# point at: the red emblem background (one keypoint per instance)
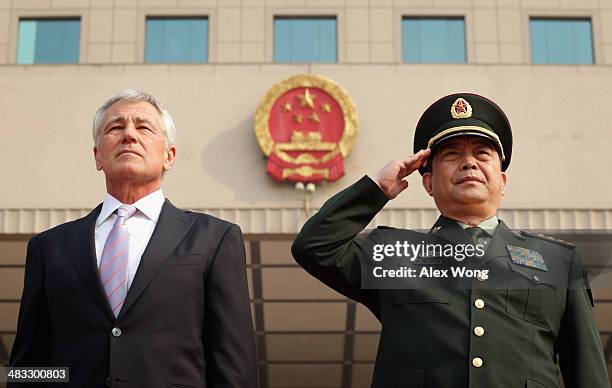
(306, 126)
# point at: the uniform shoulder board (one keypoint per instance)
(549, 238)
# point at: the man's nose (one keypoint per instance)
(129, 133)
(469, 163)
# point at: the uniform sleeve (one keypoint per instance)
(228, 333)
(581, 357)
(32, 346)
(328, 247)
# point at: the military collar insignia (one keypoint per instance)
(526, 257)
(461, 109)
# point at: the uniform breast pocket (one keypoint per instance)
(534, 297)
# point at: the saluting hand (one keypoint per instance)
(390, 178)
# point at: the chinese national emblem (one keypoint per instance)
(306, 125)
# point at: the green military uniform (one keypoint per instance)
(454, 337)
(533, 316)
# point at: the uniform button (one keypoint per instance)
(116, 332)
(108, 381)
(536, 278)
(477, 362)
(479, 303)
(479, 331)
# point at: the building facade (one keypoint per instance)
(547, 63)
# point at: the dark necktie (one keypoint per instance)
(479, 236)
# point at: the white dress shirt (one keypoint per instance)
(140, 225)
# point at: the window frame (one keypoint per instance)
(553, 13)
(304, 17)
(434, 17)
(562, 18)
(145, 13)
(17, 17)
(176, 17)
(271, 13)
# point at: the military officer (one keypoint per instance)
(534, 319)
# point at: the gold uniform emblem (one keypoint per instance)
(461, 109)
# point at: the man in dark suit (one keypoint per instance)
(138, 293)
(529, 310)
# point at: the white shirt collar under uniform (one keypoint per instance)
(489, 225)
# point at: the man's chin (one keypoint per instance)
(470, 197)
(125, 171)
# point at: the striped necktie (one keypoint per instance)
(114, 262)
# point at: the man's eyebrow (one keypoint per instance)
(142, 120)
(116, 119)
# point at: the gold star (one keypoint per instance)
(287, 107)
(297, 118)
(326, 107)
(307, 99)
(314, 117)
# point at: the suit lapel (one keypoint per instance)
(81, 245)
(171, 227)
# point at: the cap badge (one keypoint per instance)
(461, 109)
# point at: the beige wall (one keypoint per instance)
(559, 114)
(369, 31)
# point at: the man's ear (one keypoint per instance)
(427, 183)
(169, 158)
(97, 158)
(504, 181)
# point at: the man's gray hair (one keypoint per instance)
(132, 95)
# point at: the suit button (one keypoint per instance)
(479, 303)
(477, 362)
(116, 332)
(479, 331)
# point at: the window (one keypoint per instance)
(433, 40)
(49, 41)
(176, 40)
(305, 39)
(561, 41)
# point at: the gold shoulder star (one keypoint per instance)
(326, 107)
(287, 107)
(314, 117)
(307, 99)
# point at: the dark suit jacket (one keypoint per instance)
(531, 317)
(186, 321)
